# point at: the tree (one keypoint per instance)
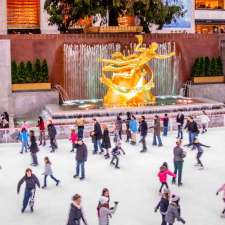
(207, 66)
(65, 13)
(44, 71)
(212, 67)
(202, 66)
(14, 72)
(21, 74)
(218, 66)
(29, 72)
(37, 71)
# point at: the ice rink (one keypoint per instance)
(135, 185)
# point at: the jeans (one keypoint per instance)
(162, 185)
(143, 141)
(97, 145)
(178, 167)
(180, 132)
(81, 132)
(115, 157)
(24, 146)
(80, 165)
(155, 138)
(165, 131)
(42, 137)
(53, 178)
(163, 220)
(34, 158)
(192, 136)
(199, 154)
(27, 196)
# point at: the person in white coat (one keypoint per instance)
(204, 119)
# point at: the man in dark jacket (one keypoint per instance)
(97, 136)
(31, 181)
(81, 158)
(143, 129)
(157, 131)
(180, 123)
(192, 128)
(52, 134)
(178, 159)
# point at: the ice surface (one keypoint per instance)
(135, 185)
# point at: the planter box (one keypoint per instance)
(31, 87)
(208, 80)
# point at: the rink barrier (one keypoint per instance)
(10, 135)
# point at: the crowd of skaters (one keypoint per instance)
(169, 204)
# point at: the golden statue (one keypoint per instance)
(128, 85)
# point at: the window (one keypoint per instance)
(209, 4)
(23, 14)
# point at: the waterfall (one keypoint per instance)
(82, 69)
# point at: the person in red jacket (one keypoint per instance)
(163, 173)
(41, 126)
(73, 139)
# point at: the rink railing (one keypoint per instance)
(63, 131)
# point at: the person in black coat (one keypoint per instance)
(163, 205)
(31, 182)
(81, 158)
(52, 135)
(143, 129)
(180, 124)
(97, 136)
(33, 148)
(76, 212)
(192, 128)
(106, 143)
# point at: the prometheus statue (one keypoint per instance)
(129, 85)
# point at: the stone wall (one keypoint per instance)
(30, 104)
(214, 92)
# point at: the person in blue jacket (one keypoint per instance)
(133, 126)
(31, 182)
(23, 137)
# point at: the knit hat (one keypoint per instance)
(175, 198)
(103, 200)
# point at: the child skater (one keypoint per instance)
(163, 173)
(173, 212)
(73, 139)
(106, 143)
(105, 213)
(23, 137)
(197, 145)
(105, 193)
(222, 189)
(163, 204)
(48, 172)
(31, 182)
(33, 148)
(115, 153)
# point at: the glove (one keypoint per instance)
(155, 210)
(182, 221)
(217, 193)
(116, 203)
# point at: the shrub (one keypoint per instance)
(29, 72)
(44, 71)
(14, 72)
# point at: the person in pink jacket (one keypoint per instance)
(73, 139)
(222, 189)
(163, 173)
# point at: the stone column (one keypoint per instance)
(45, 28)
(3, 16)
(5, 77)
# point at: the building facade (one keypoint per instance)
(203, 16)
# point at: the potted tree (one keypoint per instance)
(30, 77)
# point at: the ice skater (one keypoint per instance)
(96, 135)
(81, 158)
(119, 125)
(33, 148)
(173, 211)
(48, 172)
(115, 155)
(52, 136)
(204, 122)
(76, 214)
(41, 126)
(106, 194)
(105, 213)
(163, 204)
(73, 139)
(31, 182)
(197, 145)
(222, 189)
(80, 122)
(143, 129)
(180, 124)
(133, 127)
(163, 173)
(157, 131)
(23, 137)
(106, 143)
(165, 124)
